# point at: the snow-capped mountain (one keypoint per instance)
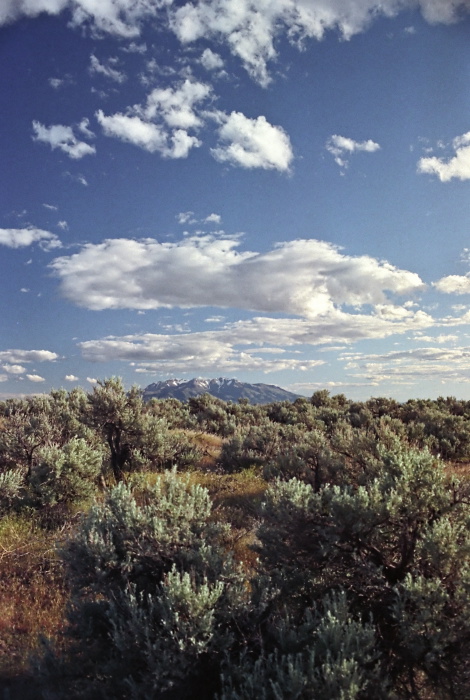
(223, 388)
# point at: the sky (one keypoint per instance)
(272, 190)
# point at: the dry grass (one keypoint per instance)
(237, 499)
(32, 593)
(459, 469)
(210, 446)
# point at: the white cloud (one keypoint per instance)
(108, 69)
(71, 378)
(244, 344)
(252, 143)
(134, 47)
(63, 225)
(302, 277)
(213, 219)
(186, 217)
(133, 130)
(121, 18)
(420, 337)
(188, 353)
(51, 207)
(56, 83)
(176, 106)
(10, 10)
(23, 237)
(341, 146)
(454, 284)
(249, 29)
(181, 143)
(409, 366)
(63, 138)
(465, 255)
(35, 378)
(20, 356)
(14, 369)
(211, 60)
(457, 166)
(443, 11)
(162, 124)
(83, 127)
(92, 380)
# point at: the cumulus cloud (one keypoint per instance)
(25, 356)
(133, 130)
(458, 166)
(213, 219)
(301, 277)
(63, 138)
(71, 378)
(169, 119)
(14, 369)
(176, 106)
(252, 143)
(35, 378)
(108, 69)
(23, 237)
(186, 217)
(341, 146)
(211, 60)
(163, 123)
(454, 284)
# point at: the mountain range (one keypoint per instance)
(222, 388)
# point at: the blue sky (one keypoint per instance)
(276, 191)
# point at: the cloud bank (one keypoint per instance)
(243, 345)
(301, 277)
(405, 367)
(249, 29)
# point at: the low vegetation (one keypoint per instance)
(223, 551)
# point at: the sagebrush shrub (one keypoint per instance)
(155, 596)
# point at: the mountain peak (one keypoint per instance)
(221, 387)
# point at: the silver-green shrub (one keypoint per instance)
(65, 474)
(155, 596)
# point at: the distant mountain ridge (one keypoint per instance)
(222, 388)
